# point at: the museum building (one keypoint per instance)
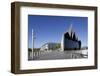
(70, 41)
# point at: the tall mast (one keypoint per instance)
(70, 30)
(33, 43)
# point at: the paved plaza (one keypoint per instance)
(58, 55)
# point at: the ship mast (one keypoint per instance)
(70, 30)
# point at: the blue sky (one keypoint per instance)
(51, 28)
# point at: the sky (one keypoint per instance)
(51, 28)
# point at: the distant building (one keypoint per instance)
(50, 46)
(70, 41)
